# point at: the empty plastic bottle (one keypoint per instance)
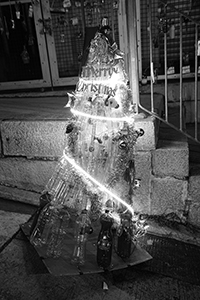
(39, 234)
(82, 229)
(58, 232)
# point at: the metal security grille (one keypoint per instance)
(178, 50)
(70, 29)
(145, 40)
(190, 9)
(68, 35)
(157, 14)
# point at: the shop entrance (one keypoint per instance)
(42, 42)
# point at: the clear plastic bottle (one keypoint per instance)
(58, 232)
(82, 229)
(45, 199)
(40, 233)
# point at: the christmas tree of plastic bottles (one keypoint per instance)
(96, 170)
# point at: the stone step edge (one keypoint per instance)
(19, 195)
(47, 138)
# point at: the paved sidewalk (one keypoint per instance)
(23, 276)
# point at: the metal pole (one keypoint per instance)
(151, 53)
(83, 17)
(113, 21)
(133, 56)
(165, 58)
(196, 83)
(181, 74)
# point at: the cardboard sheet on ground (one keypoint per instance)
(62, 266)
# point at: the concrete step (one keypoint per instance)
(32, 131)
(171, 157)
(176, 169)
(24, 179)
(33, 138)
(170, 169)
(149, 124)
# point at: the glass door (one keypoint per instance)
(24, 61)
(42, 42)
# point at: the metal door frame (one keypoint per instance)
(51, 52)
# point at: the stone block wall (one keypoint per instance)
(30, 150)
(29, 154)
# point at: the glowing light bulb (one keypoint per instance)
(82, 114)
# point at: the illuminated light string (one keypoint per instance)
(82, 114)
(101, 186)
